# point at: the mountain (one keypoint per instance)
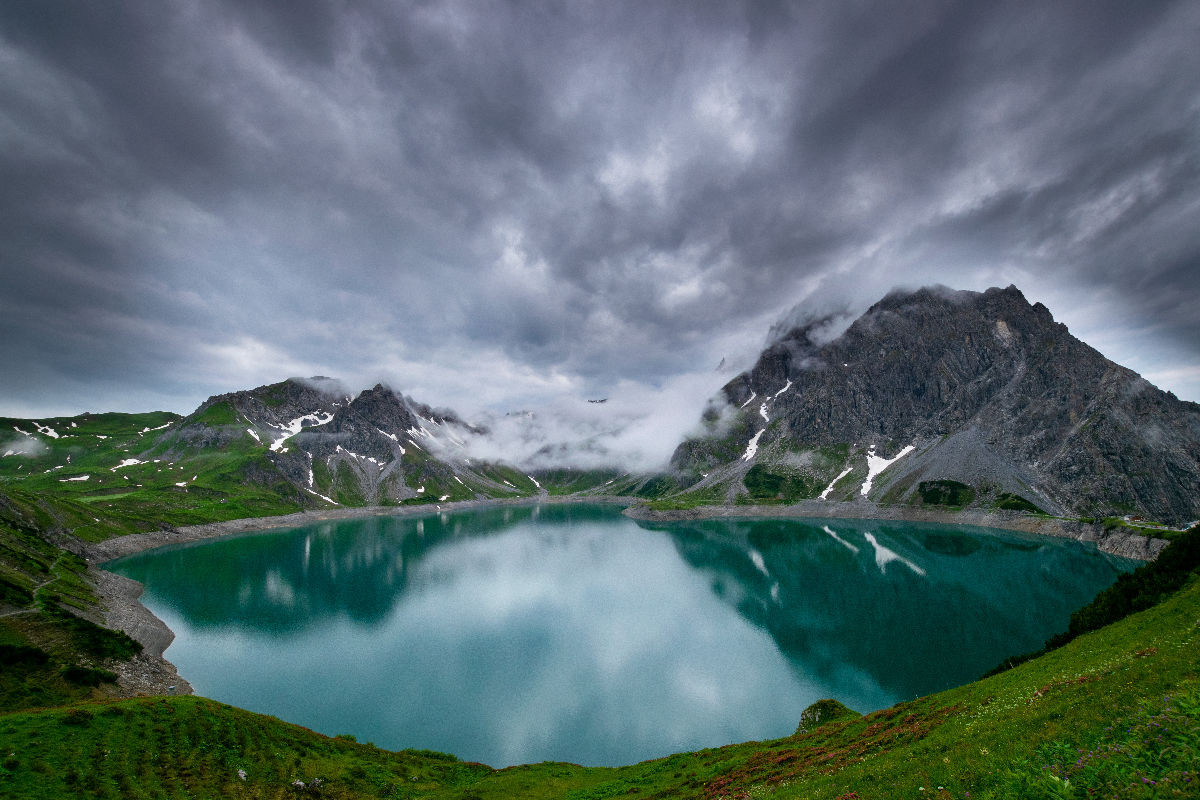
(950, 398)
(378, 446)
(930, 398)
(301, 443)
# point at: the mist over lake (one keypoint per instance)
(569, 632)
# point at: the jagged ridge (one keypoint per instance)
(989, 391)
(377, 446)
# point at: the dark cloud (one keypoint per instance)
(487, 203)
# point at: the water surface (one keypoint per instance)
(572, 633)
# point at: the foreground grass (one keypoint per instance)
(190, 747)
(1086, 717)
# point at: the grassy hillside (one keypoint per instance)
(49, 654)
(104, 475)
(111, 474)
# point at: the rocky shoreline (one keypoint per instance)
(147, 673)
(150, 673)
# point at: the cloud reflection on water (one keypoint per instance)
(574, 634)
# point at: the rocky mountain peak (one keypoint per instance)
(922, 367)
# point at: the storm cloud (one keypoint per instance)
(493, 205)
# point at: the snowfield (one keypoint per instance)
(877, 464)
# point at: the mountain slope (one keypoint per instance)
(980, 398)
(312, 439)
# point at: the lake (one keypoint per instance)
(571, 633)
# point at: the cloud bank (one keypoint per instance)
(493, 205)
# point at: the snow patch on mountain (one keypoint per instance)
(877, 464)
(45, 430)
(290, 429)
(825, 494)
(752, 446)
(323, 497)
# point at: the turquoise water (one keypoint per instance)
(572, 633)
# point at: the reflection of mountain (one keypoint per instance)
(963, 601)
(294, 579)
(880, 611)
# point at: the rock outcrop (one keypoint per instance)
(313, 439)
(989, 392)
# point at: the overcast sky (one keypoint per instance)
(499, 205)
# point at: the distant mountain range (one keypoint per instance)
(935, 397)
(949, 398)
(376, 447)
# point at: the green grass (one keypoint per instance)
(945, 493)
(50, 655)
(565, 481)
(1138, 526)
(1007, 501)
(191, 747)
(220, 413)
(776, 485)
(1152, 753)
(708, 496)
(657, 487)
(231, 482)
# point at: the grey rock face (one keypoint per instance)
(369, 436)
(377, 446)
(988, 388)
